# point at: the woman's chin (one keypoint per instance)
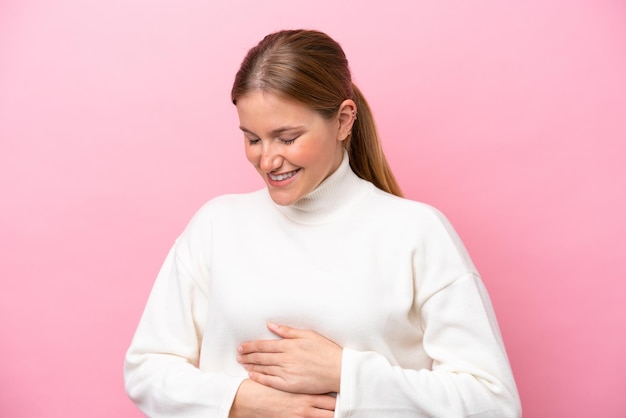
(284, 197)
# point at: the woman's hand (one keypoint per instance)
(254, 400)
(300, 362)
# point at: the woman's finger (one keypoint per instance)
(261, 346)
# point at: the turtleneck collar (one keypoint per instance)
(333, 196)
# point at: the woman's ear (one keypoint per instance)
(346, 116)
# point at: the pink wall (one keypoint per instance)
(115, 125)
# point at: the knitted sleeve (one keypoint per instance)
(161, 369)
(469, 375)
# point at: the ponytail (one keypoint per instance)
(366, 154)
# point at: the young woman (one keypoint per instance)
(325, 294)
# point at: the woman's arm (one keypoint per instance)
(470, 375)
(161, 367)
(254, 400)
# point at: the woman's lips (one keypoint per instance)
(282, 178)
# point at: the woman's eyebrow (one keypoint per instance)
(274, 132)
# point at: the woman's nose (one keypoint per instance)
(270, 159)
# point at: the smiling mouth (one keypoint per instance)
(284, 176)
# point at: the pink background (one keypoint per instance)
(115, 126)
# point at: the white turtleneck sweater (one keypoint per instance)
(384, 277)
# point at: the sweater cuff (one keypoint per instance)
(233, 384)
(351, 362)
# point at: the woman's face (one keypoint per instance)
(291, 146)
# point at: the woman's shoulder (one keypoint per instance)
(404, 207)
(423, 222)
(231, 205)
(234, 200)
(413, 215)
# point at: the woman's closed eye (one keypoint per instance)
(287, 141)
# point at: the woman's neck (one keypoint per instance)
(332, 197)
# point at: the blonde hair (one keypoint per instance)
(310, 67)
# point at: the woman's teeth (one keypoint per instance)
(284, 176)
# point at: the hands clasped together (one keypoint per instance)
(289, 377)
